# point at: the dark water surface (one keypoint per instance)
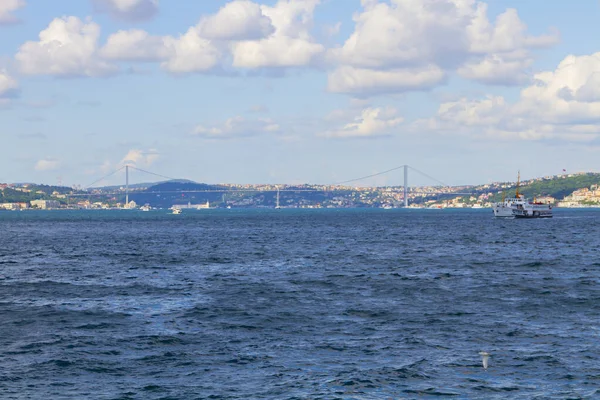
(298, 304)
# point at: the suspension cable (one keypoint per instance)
(430, 177)
(369, 176)
(104, 177)
(152, 173)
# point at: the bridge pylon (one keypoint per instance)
(405, 186)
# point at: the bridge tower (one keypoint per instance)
(406, 186)
(126, 185)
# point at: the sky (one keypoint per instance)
(298, 91)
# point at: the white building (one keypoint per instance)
(44, 204)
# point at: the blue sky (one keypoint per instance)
(298, 91)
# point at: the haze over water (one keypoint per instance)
(298, 304)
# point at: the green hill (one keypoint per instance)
(36, 192)
(557, 187)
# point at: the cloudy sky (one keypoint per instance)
(292, 91)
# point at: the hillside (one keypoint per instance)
(31, 192)
(143, 185)
(557, 186)
(170, 193)
(167, 194)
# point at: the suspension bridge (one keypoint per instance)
(337, 186)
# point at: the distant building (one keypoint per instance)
(193, 206)
(14, 206)
(131, 205)
(545, 199)
(44, 204)
(85, 204)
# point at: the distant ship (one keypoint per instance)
(176, 210)
(145, 207)
(504, 208)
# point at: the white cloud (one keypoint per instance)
(237, 20)
(371, 122)
(488, 118)
(506, 35)
(256, 35)
(105, 168)
(290, 44)
(570, 94)
(347, 79)
(8, 85)
(488, 111)
(67, 47)
(405, 33)
(7, 7)
(497, 70)
(237, 127)
(186, 54)
(275, 52)
(135, 45)
(412, 35)
(131, 10)
(47, 164)
(140, 158)
(561, 104)
(191, 53)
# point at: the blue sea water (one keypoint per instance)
(298, 304)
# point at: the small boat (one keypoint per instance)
(145, 207)
(177, 211)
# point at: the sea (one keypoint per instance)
(299, 304)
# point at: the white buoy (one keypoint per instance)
(484, 358)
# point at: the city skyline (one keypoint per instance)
(297, 91)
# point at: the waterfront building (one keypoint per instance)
(44, 204)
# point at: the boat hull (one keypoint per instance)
(532, 213)
(502, 211)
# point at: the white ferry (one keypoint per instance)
(175, 210)
(532, 210)
(505, 207)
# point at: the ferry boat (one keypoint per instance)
(504, 209)
(532, 209)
